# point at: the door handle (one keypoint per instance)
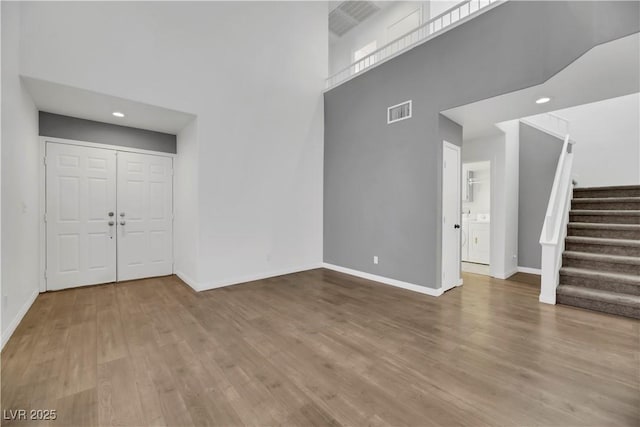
(122, 214)
(110, 213)
(456, 226)
(123, 222)
(111, 223)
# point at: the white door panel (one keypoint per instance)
(145, 224)
(450, 216)
(80, 193)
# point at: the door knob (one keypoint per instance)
(122, 214)
(456, 226)
(122, 222)
(111, 214)
(111, 223)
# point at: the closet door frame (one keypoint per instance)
(43, 185)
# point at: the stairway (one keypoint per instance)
(601, 261)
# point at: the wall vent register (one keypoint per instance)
(399, 112)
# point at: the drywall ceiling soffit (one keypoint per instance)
(607, 71)
(84, 104)
(348, 14)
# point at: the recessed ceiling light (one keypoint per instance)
(543, 100)
(118, 114)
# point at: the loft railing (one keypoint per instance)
(554, 230)
(559, 123)
(550, 123)
(448, 19)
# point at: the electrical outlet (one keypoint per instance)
(375, 259)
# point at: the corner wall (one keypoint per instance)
(539, 154)
(20, 186)
(185, 206)
(253, 74)
(382, 181)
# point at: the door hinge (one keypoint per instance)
(45, 274)
(44, 160)
(45, 217)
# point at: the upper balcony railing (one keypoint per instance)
(448, 19)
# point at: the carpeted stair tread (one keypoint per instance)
(599, 295)
(604, 226)
(605, 212)
(631, 199)
(617, 259)
(601, 275)
(603, 241)
(605, 229)
(601, 192)
(609, 188)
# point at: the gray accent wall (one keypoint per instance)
(58, 126)
(539, 154)
(382, 183)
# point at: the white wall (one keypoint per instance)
(185, 205)
(257, 93)
(511, 130)
(607, 135)
(20, 172)
(499, 150)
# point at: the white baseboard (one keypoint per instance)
(386, 280)
(530, 270)
(188, 280)
(547, 299)
(19, 316)
(199, 287)
(504, 275)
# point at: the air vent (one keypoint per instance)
(349, 14)
(399, 112)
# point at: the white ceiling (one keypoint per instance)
(607, 71)
(84, 104)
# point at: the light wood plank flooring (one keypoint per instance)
(320, 348)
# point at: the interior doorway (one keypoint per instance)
(476, 217)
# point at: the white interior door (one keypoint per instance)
(145, 216)
(80, 194)
(450, 216)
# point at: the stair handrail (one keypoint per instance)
(554, 229)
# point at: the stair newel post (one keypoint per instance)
(555, 224)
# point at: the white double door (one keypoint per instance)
(108, 215)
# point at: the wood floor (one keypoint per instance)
(320, 348)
